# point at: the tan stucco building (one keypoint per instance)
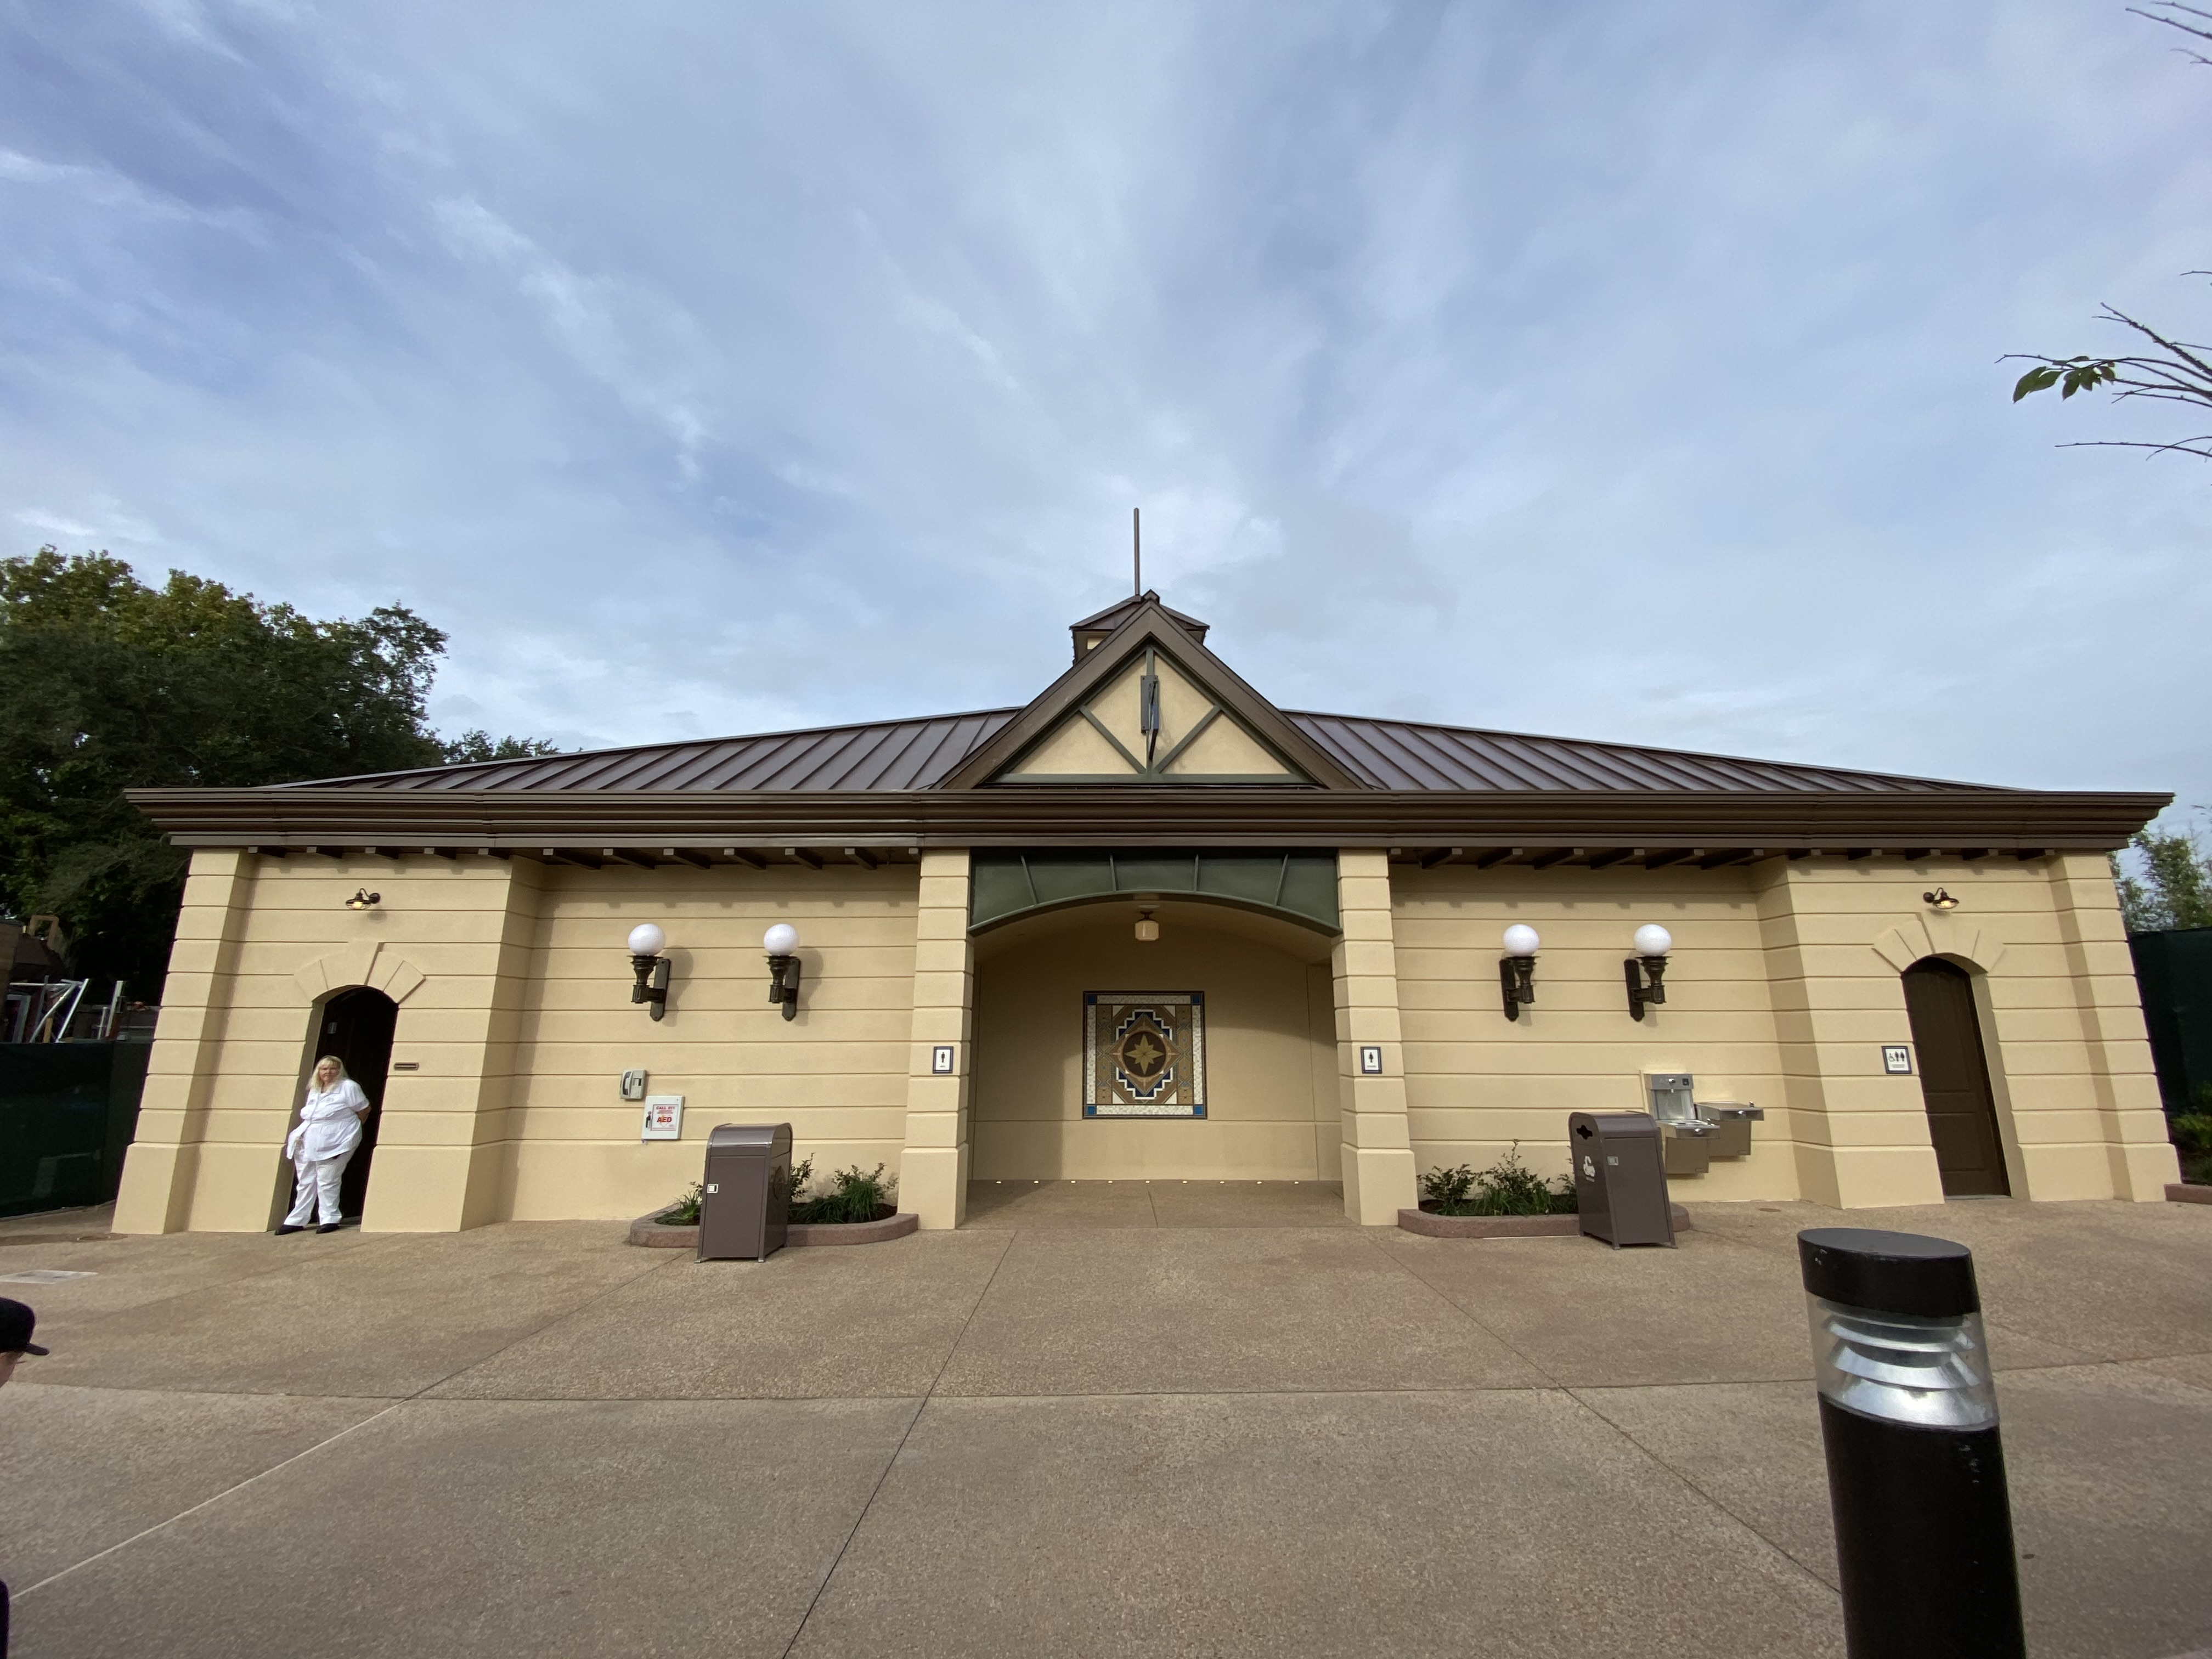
(1323, 999)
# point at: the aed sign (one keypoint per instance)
(663, 1118)
(1897, 1059)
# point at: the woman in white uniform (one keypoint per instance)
(329, 1130)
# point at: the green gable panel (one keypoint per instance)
(1298, 886)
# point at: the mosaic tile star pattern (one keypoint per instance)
(1143, 1053)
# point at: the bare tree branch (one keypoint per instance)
(2172, 13)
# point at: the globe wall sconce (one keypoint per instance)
(782, 944)
(362, 899)
(1645, 971)
(1939, 899)
(1517, 970)
(651, 987)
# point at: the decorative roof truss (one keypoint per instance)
(1150, 722)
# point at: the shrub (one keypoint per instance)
(802, 1173)
(684, 1211)
(1506, 1187)
(1449, 1189)
(852, 1196)
(2192, 1137)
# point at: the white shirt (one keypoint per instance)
(328, 1127)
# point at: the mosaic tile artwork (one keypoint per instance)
(1143, 1053)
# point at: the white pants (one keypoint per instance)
(318, 1181)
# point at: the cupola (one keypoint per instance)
(1093, 629)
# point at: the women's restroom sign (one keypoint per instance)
(663, 1118)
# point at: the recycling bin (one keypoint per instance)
(1620, 1177)
(746, 1206)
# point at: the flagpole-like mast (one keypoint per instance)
(1137, 548)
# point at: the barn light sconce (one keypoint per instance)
(1646, 970)
(782, 944)
(1148, 931)
(1939, 899)
(651, 987)
(1517, 970)
(362, 899)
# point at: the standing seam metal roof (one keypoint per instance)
(918, 754)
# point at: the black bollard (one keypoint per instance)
(1916, 1472)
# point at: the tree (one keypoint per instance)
(2172, 370)
(479, 745)
(107, 684)
(2175, 890)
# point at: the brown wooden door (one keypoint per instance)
(1954, 1078)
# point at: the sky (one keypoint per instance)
(1608, 370)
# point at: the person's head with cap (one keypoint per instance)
(16, 1324)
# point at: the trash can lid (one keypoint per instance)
(775, 1136)
(1888, 1273)
(1611, 1125)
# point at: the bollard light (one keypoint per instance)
(646, 941)
(1517, 968)
(782, 944)
(1915, 1470)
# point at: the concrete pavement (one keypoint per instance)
(1183, 1418)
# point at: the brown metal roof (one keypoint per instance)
(918, 754)
(1410, 755)
(881, 755)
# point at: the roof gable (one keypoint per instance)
(1150, 705)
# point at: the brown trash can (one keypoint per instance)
(746, 1207)
(1620, 1177)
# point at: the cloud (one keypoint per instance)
(1629, 375)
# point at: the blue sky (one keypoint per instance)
(1621, 371)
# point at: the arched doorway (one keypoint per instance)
(1955, 1079)
(357, 1026)
(1271, 1110)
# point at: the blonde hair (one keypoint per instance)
(330, 1060)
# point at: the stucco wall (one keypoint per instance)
(1476, 1082)
(513, 988)
(1784, 985)
(514, 999)
(1271, 1072)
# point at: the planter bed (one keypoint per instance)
(2187, 1192)
(1431, 1226)
(660, 1234)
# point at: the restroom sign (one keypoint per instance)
(1897, 1060)
(940, 1060)
(1370, 1060)
(663, 1118)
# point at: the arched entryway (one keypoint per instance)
(1955, 1079)
(356, 1025)
(1271, 1110)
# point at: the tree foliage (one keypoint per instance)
(108, 684)
(2175, 888)
(480, 745)
(2167, 369)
